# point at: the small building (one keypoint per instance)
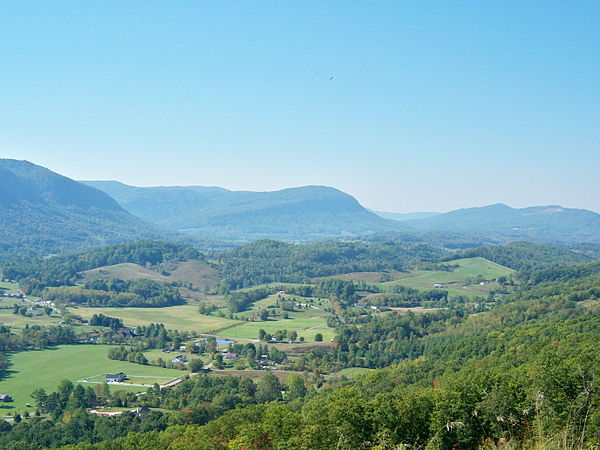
(438, 285)
(5, 398)
(230, 355)
(126, 332)
(179, 359)
(115, 377)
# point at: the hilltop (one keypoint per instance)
(294, 214)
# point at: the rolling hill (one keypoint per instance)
(42, 212)
(548, 224)
(295, 214)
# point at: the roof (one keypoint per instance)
(115, 375)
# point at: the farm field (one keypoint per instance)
(7, 318)
(125, 271)
(306, 327)
(272, 300)
(9, 288)
(202, 277)
(367, 277)
(454, 280)
(182, 317)
(200, 274)
(47, 368)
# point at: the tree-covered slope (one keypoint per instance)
(268, 261)
(42, 212)
(526, 256)
(304, 213)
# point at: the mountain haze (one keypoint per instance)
(44, 212)
(303, 213)
(403, 217)
(550, 223)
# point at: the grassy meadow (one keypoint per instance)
(181, 317)
(454, 280)
(47, 368)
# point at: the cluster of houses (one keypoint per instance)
(94, 336)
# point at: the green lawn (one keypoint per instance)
(9, 288)
(9, 319)
(47, 368)
(454, 280)
(305, 323)
(183, 317)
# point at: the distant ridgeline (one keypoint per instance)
(306, 213)
(34, 275)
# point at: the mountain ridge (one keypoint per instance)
(546, 223)
(293, 214)
(42, 212)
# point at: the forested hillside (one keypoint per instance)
(526, 256)
(268, 261)
(36, 274)
(306, 213)
(44, 213)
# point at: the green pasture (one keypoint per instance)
(303, 325)
(182, 317)
(124, 271)
(47, 368)
(9, 288)
(7, 318)
(455, 280)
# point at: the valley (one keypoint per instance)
(219, 319)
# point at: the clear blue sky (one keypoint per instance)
(432, 105)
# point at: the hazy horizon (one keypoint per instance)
(407, 107)
(325, 185)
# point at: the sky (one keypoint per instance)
(408, 106)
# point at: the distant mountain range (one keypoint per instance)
(42, 212)
(551, 224)
(295, 214)
(403, 217)
(318, 212)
